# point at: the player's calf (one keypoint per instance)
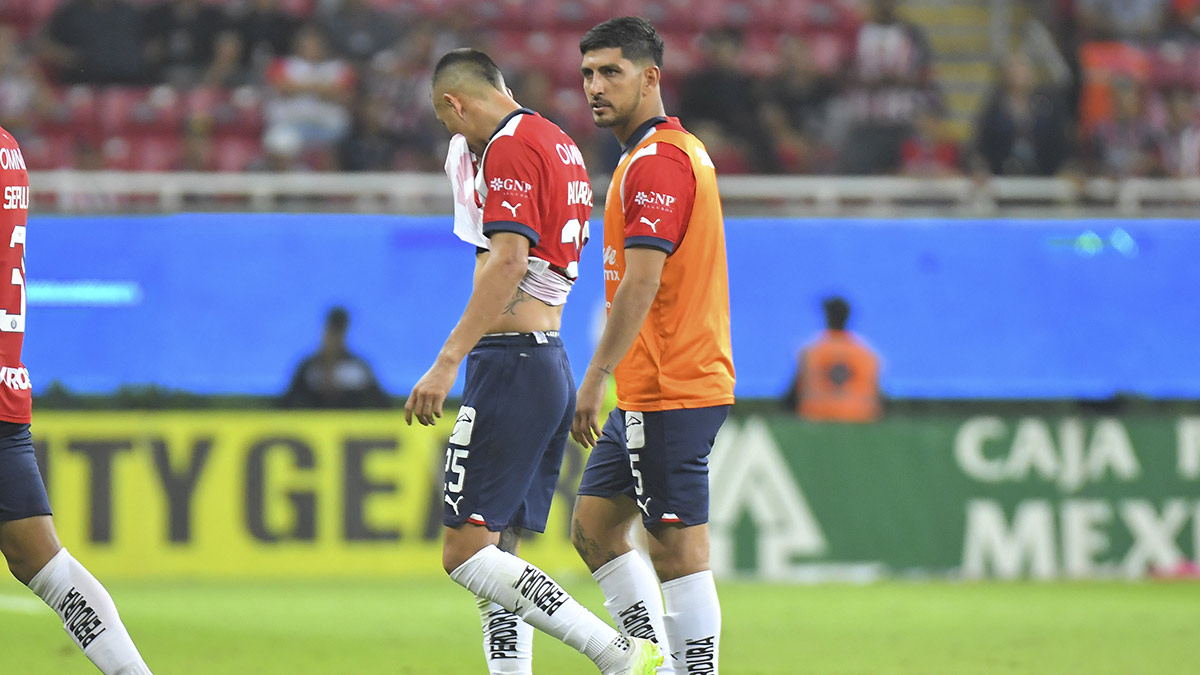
(88, 615)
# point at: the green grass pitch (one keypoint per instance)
(431, 626)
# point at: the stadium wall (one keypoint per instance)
(988, 309)
(240, 494)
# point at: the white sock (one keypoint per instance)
(633, 600)
(88, 614)
(693, 622)
(531, 594)
(507, 640)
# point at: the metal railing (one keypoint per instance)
(785, 196)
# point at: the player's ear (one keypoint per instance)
(454, 102)
(652, 77)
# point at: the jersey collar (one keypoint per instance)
(644, 129)
(509, 116)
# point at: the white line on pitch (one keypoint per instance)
(21, 605)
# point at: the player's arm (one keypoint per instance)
(654, 227)
(495, 287)
(631, 303)
(510, 221)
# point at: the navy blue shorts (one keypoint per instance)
(22, 493)
(659, 459)
(507, 445)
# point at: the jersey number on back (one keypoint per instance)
(574, 233)
(15, 323)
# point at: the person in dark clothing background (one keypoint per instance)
(333, 377)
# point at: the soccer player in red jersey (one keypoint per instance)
(506, 448)
(667, 344)
(27, 536)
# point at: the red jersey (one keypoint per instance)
(16, 395)
(532, 181)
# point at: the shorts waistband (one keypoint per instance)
(536, 338)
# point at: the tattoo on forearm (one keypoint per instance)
(520, 297)
(607, 370)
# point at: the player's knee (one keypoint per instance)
(452, 560)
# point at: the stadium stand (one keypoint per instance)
(803, 61)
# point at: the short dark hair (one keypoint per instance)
(471, 62)
(634, 36)
(338, 319)
(837, 311)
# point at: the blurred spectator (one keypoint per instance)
(399, 82)
(333, 377)
(358, 31)
(930, 152)
(1126, 144)
(723, 94)
(1022, 130)
(837, 377)
(1179, 146)
(311, 93)
(282, 152)
(23, 92)
(795, 99)
(1122, 19)
(892, 84)
(267, 32)
(182, 38)
(225, 70)
(199, 151)
(369, 147)
(94, 42)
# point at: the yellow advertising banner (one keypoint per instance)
(261, 494)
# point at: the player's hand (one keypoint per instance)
(586, 427)
(430, 392)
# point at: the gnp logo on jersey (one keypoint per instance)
(655, 200)
(464, 424)
(509, 185)
(635, 430)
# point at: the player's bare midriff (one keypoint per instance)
(523, 313)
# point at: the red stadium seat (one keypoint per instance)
(139, 111)
(512, 49)
(523, 15)
(829, 51)
(118, 153)
(73, 112)
(156, 153)
(760, 53)
(235, 153)
(115, 108)
(682, 54)
(242, 113)
(49, 151)
(204, 101)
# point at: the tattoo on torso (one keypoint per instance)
(520, 297)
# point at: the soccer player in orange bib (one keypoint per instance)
(667, 343)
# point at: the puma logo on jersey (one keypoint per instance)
(510, 207)
(644, 506)
(653, 225)
(454, 503)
